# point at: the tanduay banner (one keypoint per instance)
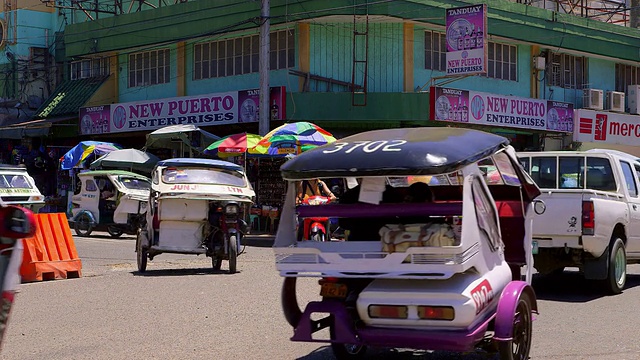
(479, 108)
(466, 29)
(607, 128)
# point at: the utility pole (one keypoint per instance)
(265, 46)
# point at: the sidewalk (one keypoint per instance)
(259, 238)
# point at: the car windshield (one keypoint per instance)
(14, 182)
(203, 176)
(135, 183)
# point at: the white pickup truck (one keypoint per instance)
(592, 219)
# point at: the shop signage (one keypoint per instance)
(466, 29)
(478, 108)
(607, 128)
(200, 110)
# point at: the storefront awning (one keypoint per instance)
(68, 97)
(62, 105)
(35, 128)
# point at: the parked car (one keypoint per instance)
(593, 213)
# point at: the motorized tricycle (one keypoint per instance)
(15, 223)
(434, 257)
(111, 200)
(196, 206)
(17, 187)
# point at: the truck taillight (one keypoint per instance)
(156, 221)
(588, 220)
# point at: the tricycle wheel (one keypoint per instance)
(617, 276)
(216, 262)
(82, 225)
(348, 351)
(518, 348)
(141, 255)
(114, 231)
(233, 254)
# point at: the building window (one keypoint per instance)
(241, 55)
(503, 61)
(149, 68)
(626, 75)
(89, 68)
(435, 51)
(567, 71)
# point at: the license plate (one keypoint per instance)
(534, 249)
(333, 290)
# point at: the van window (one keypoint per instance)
(630, 181)
(571, 172)
(600, 175)
(524, 162)
(544, 171)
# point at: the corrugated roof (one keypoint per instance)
(69, 97)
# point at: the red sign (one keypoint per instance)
(482, 295)
(607, 127)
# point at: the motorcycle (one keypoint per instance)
(316, 229)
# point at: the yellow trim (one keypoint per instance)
(181, 69)
(408, 31)
(304, 52)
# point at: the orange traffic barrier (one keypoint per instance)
(51, 254)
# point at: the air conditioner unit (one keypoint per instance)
(615, 101)
(634, 99)
(593, 99)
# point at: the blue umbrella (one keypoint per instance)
(79, 153)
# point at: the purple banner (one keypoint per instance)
(95, 119)
(466, 29)
(249, 101)
(559, 116)
(451, 105)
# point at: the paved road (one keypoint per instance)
(181, 309)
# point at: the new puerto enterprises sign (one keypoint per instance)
(466, 29)
(473, 107)
(200, 110)
(607, 128)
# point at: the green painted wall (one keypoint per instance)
(337, 107)
(208, 18)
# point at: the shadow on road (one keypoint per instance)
(182, 272)
(570, 286)
(325, 352)
(109, 237)
(255, 241)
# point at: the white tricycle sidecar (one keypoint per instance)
(434, 250)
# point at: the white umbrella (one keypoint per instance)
(131, 159)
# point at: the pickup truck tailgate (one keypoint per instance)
(563, 216)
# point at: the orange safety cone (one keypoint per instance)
(50, 254)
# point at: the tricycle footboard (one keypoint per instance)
(343, 331)
(345, 259)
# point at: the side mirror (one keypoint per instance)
(17, 222)
(539, 207)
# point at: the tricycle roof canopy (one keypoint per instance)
(112, 172)
(196, 162)
(395, 152)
